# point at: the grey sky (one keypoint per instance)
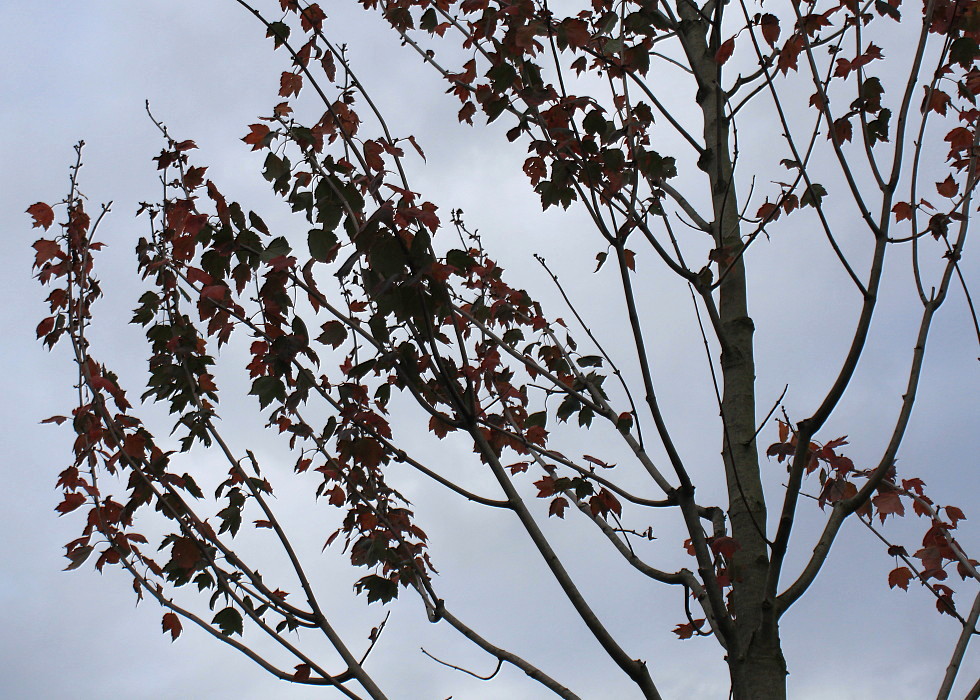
(83, 71)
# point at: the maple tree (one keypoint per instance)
(385, 299)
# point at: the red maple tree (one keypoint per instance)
(386, 300)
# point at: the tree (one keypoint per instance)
(369, 310)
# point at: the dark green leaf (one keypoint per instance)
(268, 389)
(321, 243)
(540, 418)
(277, 246)
(963, 51)
(813, 196)
(595, 123)
(279, 32)
(229, 621)
(334, 333)
(378, 588)
(569, 406)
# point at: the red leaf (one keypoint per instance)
(768, 212)
(198, 276)
(790, 53)
(558, 507)
(194, 178)
(46, 250)
(900, 577)
(71, 502)
(902, 211)
(888, 502)
(936, 101)
(686, 631)
(337, 496)
(214, 291)
(42, 214)
(55, 419)
(630, 258)
(725, 51)
(263, 523)
(171, 623)
(726, 546)
(948, 187)
(770, 28)
(843, 130)
(546, 487)
(184, 146)
(312, 18)
(467, 112)
(257, 137)
(955, 515)
(45, 326)
(959, 139)
(438, 426)
(372, 155)
(411, 140)
(290, 84)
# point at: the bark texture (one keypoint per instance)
(755, 659)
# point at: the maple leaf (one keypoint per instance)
(888, 502)
(789, 54)
(467, 112)
(770, 28)
(843, 130)
(687, 630)
(185, 553)
(902, 211)
(302, 672)
(726, 546)
(71, 502)
(576, 32)
(935, 100)
(45, 326)
(948, 187)
(46, 250)
(312, 18)
(438, 426)
(171, 623)
(229, 621)
(257, 137)
(546, 486)
(900, 577)
(725, 51)
(194, 178)
(215, 292)
(42, 214)
(290, 84)
(629, 257)
(557, 507)
(768, 212)
(337, 496)
(955, 515)
(77, 557)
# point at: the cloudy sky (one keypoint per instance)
(84, 70)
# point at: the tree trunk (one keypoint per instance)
(756, 663)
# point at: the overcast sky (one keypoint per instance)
(84, 70)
